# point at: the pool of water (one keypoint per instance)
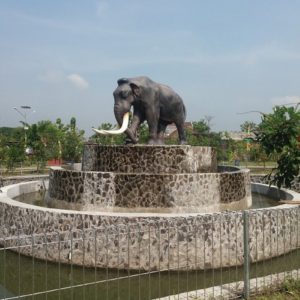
(261, 201)
(25, 275)
(41, 198)
(21, 275)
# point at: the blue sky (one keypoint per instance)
(63, 58)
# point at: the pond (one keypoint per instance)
(21, 275)
(41, 199)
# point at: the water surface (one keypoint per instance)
(41, 198)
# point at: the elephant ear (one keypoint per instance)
(135, 89)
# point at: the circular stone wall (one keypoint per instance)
(203, 192)
(157, 242)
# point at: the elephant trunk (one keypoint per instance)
(119, 114)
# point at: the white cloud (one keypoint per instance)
(285, 100)
(78, 81)
(59, 77)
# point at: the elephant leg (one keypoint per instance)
(152, 117)
(162, 125)
(152, 134)
(181, 133)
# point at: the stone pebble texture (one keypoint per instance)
(150, 177)
(121, 241)
(150, 159)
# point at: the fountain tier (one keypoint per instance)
(149, 159)
(183, 178)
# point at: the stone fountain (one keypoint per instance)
(146, 207)
(150, 197)
(151, 177)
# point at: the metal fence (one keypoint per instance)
(231, 254)
(17, 168)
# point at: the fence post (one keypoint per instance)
(246, 255)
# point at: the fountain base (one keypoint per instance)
(183, 178)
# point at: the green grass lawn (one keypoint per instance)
(269, 164)
(255, 167)
(31, 170)
(288, 290)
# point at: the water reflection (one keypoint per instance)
(21, 275)
(41, 198)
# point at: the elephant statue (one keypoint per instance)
(155, 103)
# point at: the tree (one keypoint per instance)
(55, 141)
(3, 148)
(61, 131)
(201, 128)
(278, 134)
(72, 144)
(248, 126)
(201, 135)
(42, 138)
(198, 135)
(12, 146)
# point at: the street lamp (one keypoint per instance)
(24, 116)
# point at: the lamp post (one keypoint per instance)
(24, 116)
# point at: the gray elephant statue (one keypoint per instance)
(155, 103)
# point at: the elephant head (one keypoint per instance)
(125, 96)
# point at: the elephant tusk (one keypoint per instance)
(99, 131)
(117, 131)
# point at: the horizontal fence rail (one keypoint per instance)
(225, 254)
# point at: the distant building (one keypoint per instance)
(237, 135)
(171, 132)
